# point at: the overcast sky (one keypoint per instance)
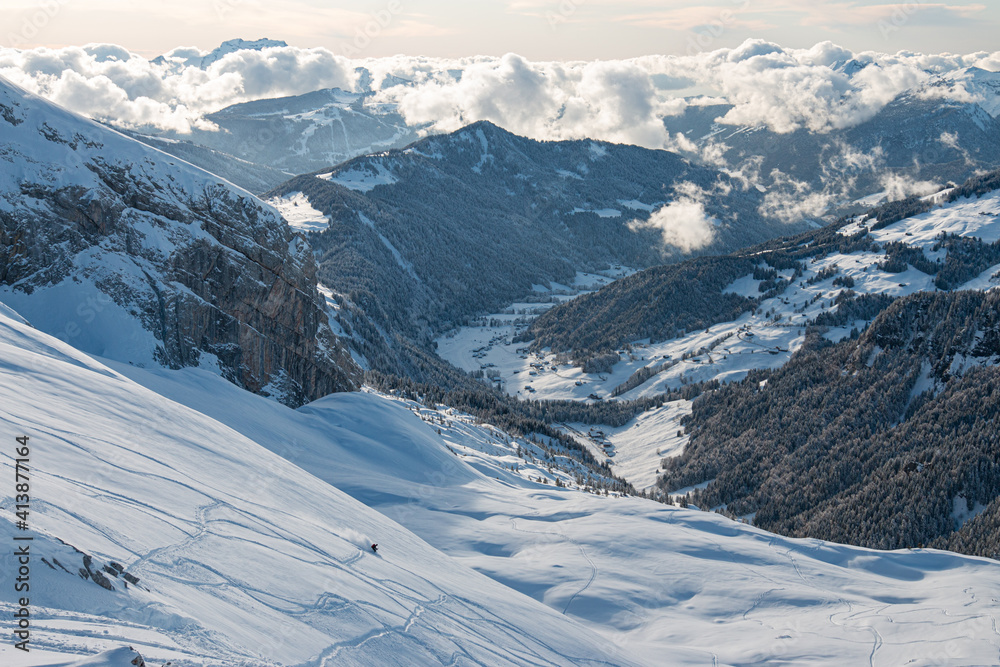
(536, 29)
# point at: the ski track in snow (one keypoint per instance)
(223, 534)
(583, 552)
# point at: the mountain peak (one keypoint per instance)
(234, 45)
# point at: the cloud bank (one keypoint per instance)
(820, 89)
(107, 82)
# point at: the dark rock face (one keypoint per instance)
(204, 267)
(94, 573)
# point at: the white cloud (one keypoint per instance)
(682, 223)
(614, 101)
(109, 83)
(622, 101)
(900, 186)
(791, 200)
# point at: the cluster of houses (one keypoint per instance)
(600, 438)
(498, 339)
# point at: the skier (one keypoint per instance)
(375, 548)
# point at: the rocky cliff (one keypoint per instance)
(135, 255)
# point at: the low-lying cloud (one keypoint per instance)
(683, 223)
(820, 89)
(108, 82)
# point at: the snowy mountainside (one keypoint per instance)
(747, 314)
(655, 580)
(457, 225)
(238, 557)
(916, 141)
(127, 252)
(293, 135)
(253, 177)
(982, 85)
(234, 45)
(177, 59)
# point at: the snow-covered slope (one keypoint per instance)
(237, 557)
(655, 580)
(298, 134)
(982, 85)
(130, 253)
(243, 558)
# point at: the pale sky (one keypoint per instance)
(536, 29)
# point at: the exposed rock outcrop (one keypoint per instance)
(214, 275)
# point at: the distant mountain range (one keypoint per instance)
(938, 132)
(917, 137)
(195, 58)
(288, 136)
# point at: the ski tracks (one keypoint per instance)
(583, 552)
(201, 528)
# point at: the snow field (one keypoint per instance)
(243, 557)
(296, 209)
(651, 579)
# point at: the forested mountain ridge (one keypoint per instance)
(664, 302)
(885, 441)
(458, 224)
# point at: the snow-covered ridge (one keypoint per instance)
(241, 557)
(651, 580)
(982, 85)
(131, 253)
(177, 59)
(296, 209)
(362, 178)
(244, 558)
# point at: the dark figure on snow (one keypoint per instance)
(375, 548)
